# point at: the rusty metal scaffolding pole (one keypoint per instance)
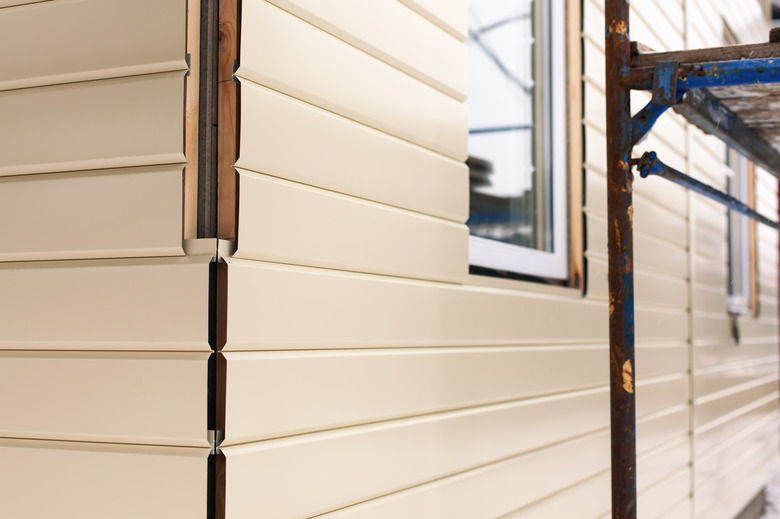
(621, 274)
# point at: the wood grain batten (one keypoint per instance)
(326, 471)
(327, 72)
(290, 223)
(425, 51)
(139, 398)
(83, 41)
(267, 304)
(95, 481)
(102, 214)
(346, 157)
(130, 121)
(140, 304)
(279, 394)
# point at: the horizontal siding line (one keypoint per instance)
(651, 24)
(433, 19)
(97, 262)
(670, 21)
(419, 344)
(640, 419)
(604, 258)
(94, 75)
(754, 361)
(756, 425)
(746, 341)
(593, 40)
(97, 171)
(641, 306)
(646, 199)
(660, 379)
(25, 4)
(733, 390)
(555, 495)
(530, 295)
(374, 52)
(481, 468)
(763, 319)
(730, 416)
(590, 126)
(344, 117)
(596, 86)
(381, 351)
(598, 5)
(763, 424)
(79, 444)
(431, 416)
(358, 199)
(642, 234)
(453, 281)
(96, 254)
(138, 161)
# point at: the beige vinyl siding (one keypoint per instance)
(144, 304)
(734, 386)
(346, 157)
(76, 479)
(120, 51)
(118, 122)
(113, 406)
(55, 216)
(334, 75)
(419, 397)
(442, 62)
(104, 335)
(291, 223)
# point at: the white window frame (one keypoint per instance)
(493, 254)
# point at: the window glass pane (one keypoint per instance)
(507, 112)
(740, 285)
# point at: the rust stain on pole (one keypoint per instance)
(621, 275)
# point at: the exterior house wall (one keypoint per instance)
(103, 318)
(368, 375)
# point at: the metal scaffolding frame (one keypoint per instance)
(679, 80)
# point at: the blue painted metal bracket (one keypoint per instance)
(650, 165)
(643, 121)
(714, 74)
(665, 83)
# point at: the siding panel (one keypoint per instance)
(116, 213)
(290, 223)
(331, 470)
(425, 52)
(90, 480)
(105, 305)
(329, 73)
(75, 126)
(450, 15)
(91, 45)
(346, 157)
(105, 397)
(266, 301)
(484, 493)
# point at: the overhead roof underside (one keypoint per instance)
(745, 117)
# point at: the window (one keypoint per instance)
(517, 137)
(741, 237)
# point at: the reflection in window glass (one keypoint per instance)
(741, 258)
(507, 200)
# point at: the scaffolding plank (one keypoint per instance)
(707, 112)
(727, 53)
